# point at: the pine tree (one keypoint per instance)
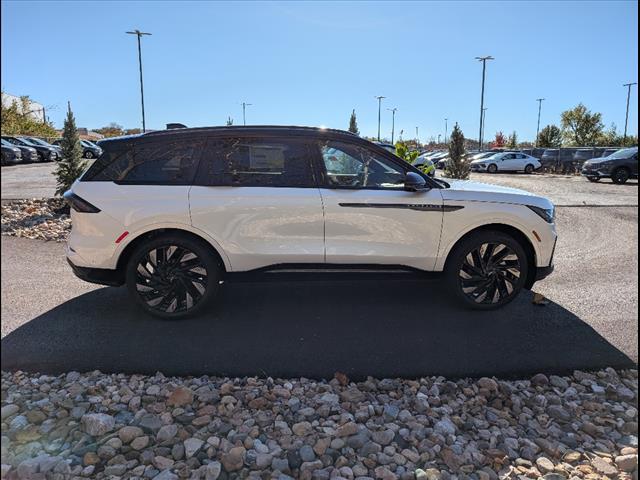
(71, 165)
(229, 121)
(457, 166)
(513, 141)
(353, 123)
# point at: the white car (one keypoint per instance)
(506, 162)
(172, 213)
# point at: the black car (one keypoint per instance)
(10, 153)
(43, 153)
(29, 153)
(619, 166)
(89, 149)
(43, 143)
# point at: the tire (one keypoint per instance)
(529, 169)
(493, 168)
(171, 299)
(41, 157)
(4, 159)
(88, 154)
(593, 179)
(620, 176)
(467, 281)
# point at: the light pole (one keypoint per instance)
(484, 68)
(626, 120)
(139, 34)
(244, 112)
(393, 122)
(446, 131)
(379, 106)
(484, 115)
(417, 138)
(539, 100)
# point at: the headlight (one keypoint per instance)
(547, 214)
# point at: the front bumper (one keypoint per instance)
(595, 173)
(101, 276)
(544, 272)
(478, 168)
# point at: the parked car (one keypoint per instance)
(10, 153)
(425, 164)
(619, 166)
(43, 153)
(89, 150)
(42, 143)
(387, 146)
(506, 162)
(581, 155)
(29, 154)
(172, 213)
(605, 152)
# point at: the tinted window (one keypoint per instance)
(351, 166)
(171, 162)
(251, 162)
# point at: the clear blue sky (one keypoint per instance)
(310, 63)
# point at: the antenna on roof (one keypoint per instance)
(171, 126)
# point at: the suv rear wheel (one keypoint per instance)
(493, 168)
(173, 276)
(486, 270)
(528, 169)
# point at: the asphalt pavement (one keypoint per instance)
(386, 325)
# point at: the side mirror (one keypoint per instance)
(414, 182)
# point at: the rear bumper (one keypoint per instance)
(544, 272)
(101, 276)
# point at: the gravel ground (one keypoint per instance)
(121, 426)
(44, 219)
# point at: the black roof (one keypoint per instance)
(235, 129)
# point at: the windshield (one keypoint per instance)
(24, 141)
(624, 153)
(6, 144)
(87, 143)
(37, 141)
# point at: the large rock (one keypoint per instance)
(192, 446)
(445, 427)
(234, 459)
(127, 434)
(97, 424)
(627, 463)
(179, 397)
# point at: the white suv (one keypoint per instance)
(172, 213)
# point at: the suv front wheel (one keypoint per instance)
(173, 276)
(486, 270)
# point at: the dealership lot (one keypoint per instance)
(381, 326)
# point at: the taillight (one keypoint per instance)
(79, 204)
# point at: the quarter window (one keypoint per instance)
(248, 162)
(170, 162)
(351, 166)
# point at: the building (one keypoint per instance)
(36, 110)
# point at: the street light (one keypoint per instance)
(539, 100)
(393, 121)
(379, 105)
(417, 138)
(446, 131)
(626, 120)
(244, 112)
(484, 115)
(484, 68)
(139, 34)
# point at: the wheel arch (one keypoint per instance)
(512, 231)
(128, 249)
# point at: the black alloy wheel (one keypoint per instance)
(88, 154)
(173, 277)
(487, 270)
(620, 176)
(528, 169)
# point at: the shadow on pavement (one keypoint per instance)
(285, 328)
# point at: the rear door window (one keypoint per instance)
(257, 162)
(161, 162)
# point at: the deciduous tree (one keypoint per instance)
(550, 137)
(580, 127)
